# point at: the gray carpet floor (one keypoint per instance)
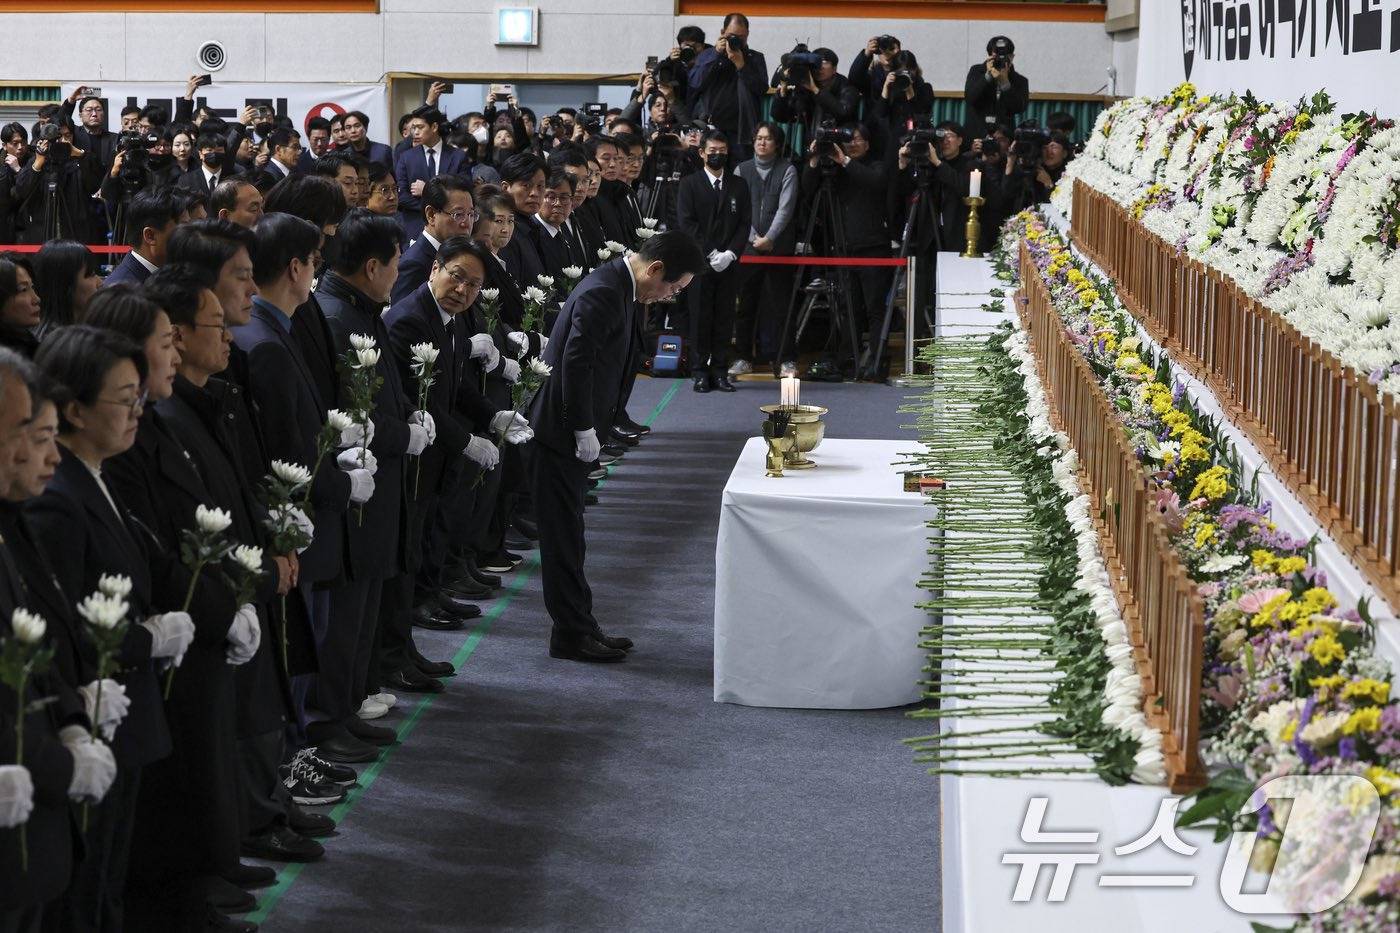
(546, 795)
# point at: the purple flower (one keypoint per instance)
(1346, 749)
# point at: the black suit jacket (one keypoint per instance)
(520, 255)
(718, 220)
(588, 350)
(293, 412)
(376, 532)
(84, 538)
(128, 270)
(415, 265)
(194, 179)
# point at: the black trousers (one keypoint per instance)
(264, 800)
(560, 481)
(344, 650)
(711, 302)
(394, 633)
(764, 293)
(21, 919)
(95, 901)
(870, 286)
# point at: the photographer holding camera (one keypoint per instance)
(995, 92)
(870, 67)
(1035, 164)
(811, 92)
(727, 83)
(860, 182)
(904, 98)
(49, 189)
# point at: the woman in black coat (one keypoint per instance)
(85, 533)
(19, 305)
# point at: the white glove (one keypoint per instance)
(361, 486)
(113, 709)
(244, 636)
(357, 458)
(418, 439)
(171, 634)
(357, 435)
(426, 420)
(94, 768)
(720, 261)
(544, 341)
(510, 371)
(16, 795)
(513, 424)
(484, 349)
(586, 446)
(521, 341)
(480, 450)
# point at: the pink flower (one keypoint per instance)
(1226, 691)
(1248, 143)
(1166, 501)
(1253, 602)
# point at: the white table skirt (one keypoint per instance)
(816, 581)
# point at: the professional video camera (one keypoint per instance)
(799, 66)
(135, 159)
(824, 142)
(1028, 146)
(58, 151)
(921, 134)
(667, 156)
(590, 117)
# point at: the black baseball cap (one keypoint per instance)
(1000, 45)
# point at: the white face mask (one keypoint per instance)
(481, 134)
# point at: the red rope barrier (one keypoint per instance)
(755, 260)
(31, 248)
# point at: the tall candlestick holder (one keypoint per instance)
(974, 228)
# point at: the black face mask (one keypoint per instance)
(212, 159)
(716, 159)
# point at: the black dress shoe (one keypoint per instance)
(614, 450)
(370, 734)
(590, 499)
(481, 576)
(515, 539)
(308, 824)
(250, 876)
(625, 438)
(425, 619)
(454, 605)
(410, 680)
(584, 649)
(434, 668)
(702, 384)
(500, 562)
(345, 748)
(227, 896)
(620, 642)
(466, 586)
(723, 384)
(283, 844)
(633, 426)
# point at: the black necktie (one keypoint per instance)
(432, 165)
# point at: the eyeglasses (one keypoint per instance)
(463, 217)
(133, 407)
(221, 326)
(461, 281)
(553, 197)
(385, 191)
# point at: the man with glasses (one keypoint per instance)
(429, 157)
(552, 241)
(383, 191)
(448, 211)
(285, 148)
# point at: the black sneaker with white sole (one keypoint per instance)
(327, 772)
(300, 781)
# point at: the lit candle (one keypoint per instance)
(975, 188)
(796, 391)
(785, 391)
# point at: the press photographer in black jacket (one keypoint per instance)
(810, 91)
(996, 92)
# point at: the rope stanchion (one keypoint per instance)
(749, 259)
(32, 248)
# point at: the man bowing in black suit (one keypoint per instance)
(588, 352)
(713, 207)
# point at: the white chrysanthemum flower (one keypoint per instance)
(614, 247)
(490, 294)
(29, 627)
(425, 352)
(101, 611)
(650, 222)
(605, 254)
(338, 419)
(368, 358)
(539, 367)
(212, 521)
(362, 341)
(248, 557)
(293, 474)
(114, 585)
(645, 233)
(573, 272)
(534, 294)
(546, 281)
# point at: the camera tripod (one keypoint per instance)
(57, 224)
(661, 197)
(835, 296)
(923, 210)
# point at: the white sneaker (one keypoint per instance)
(372, 709)
(388, 699)
(740, 368)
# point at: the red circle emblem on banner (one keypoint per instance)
(319, 110)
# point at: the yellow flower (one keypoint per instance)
(1363, 720)
(1268, 615)
(1287, 566)
(1385, 781)
(1211, 484)
(1286, 734)
(1377, 691)
(1325, 685)
(1204, 534)
(1262, 559)
(1326, 650)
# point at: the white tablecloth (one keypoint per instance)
(816, 581)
